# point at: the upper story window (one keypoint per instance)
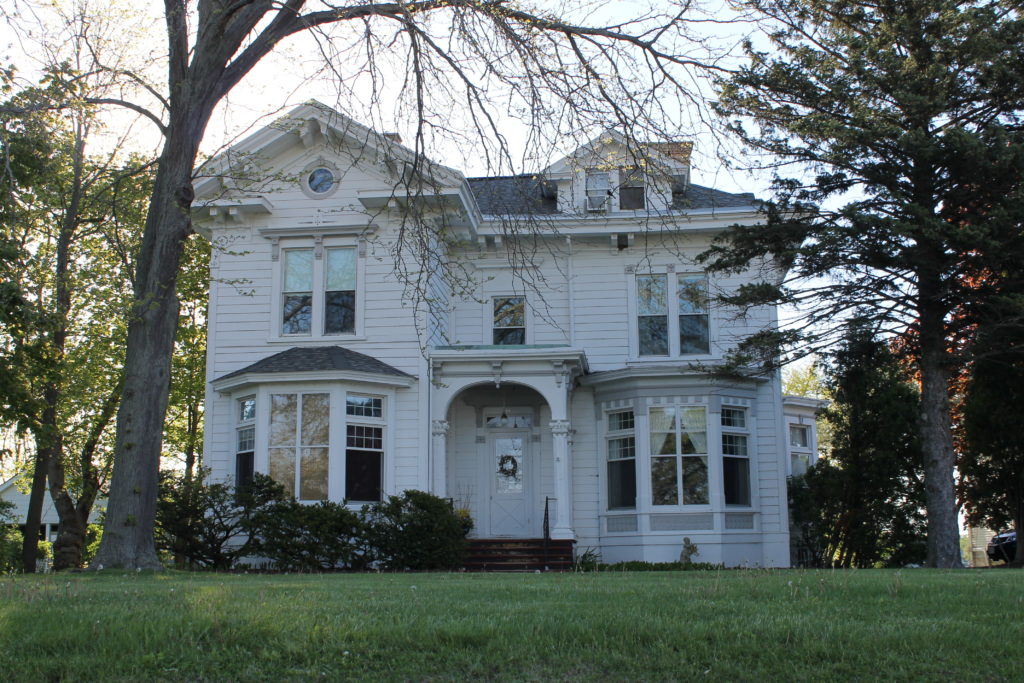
(676, 324)
(340, 290)
(320, 180)
(509, 320)
(598, 189)
(798, 436)
(621, 447)
(318, 294)
(632, 192)
(679, 455)
(735, 456)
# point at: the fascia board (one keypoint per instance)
(237, 382)
(694, 221)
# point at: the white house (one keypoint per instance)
(577, 391)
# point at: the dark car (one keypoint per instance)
(1003, 547)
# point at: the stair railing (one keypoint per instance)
(547, 528)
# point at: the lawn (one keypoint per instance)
(716, 625)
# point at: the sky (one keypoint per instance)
(295, 73)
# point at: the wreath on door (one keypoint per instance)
(508, 466)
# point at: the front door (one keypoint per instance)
(511, 478)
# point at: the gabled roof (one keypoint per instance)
(528, 195)
(667, 155)
(318, 359)
(305, 124)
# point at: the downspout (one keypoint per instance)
(570, 275)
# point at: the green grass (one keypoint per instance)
(717, 625)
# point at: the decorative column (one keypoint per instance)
(563, 485)
(439, 455)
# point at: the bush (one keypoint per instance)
(201, 524)
(10, 539)
(417, 531)
(298, 537)
(639, 566)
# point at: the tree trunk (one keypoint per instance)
(30, 536)
(128, 532)
(937, 448)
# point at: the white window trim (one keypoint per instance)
(739, 431)
(338, 432)
(318, 245)
(487, 333)
(633, 307)
(710, 432)
(312, 166)
(605, 435)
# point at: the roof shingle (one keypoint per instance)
(318, 359)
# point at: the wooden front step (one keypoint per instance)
(518, 554)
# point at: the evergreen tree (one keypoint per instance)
(903, 118)
(867, 496)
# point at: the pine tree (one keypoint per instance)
(903, 119)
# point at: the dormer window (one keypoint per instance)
(599, 190)
(631, 190)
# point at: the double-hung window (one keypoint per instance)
(598, 190)
(621, 444)
(364, 448)
(299, 442)
(631, 190)
(679, 455)
(245, 440)
(671, 324)
(509, 320)
(318, 295)
(735, 456)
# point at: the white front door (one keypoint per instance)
(511, 484)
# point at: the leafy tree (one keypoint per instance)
(862, 506)
(494, 57)
(903, 117)
(991, 463)
(76, 288)
(804, 380)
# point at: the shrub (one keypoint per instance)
(298, 537)
(10, 539)
(415, 530)
(639, 566)
(203, 524)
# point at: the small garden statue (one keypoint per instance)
(688, 552)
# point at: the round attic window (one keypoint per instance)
(321, 180)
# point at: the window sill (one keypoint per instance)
(302, 339)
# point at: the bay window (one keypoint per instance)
(364, 448)
(298, 443)
(621, 447)
(299, 446)
(735, 456)
(245, 441)
(679, 460)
